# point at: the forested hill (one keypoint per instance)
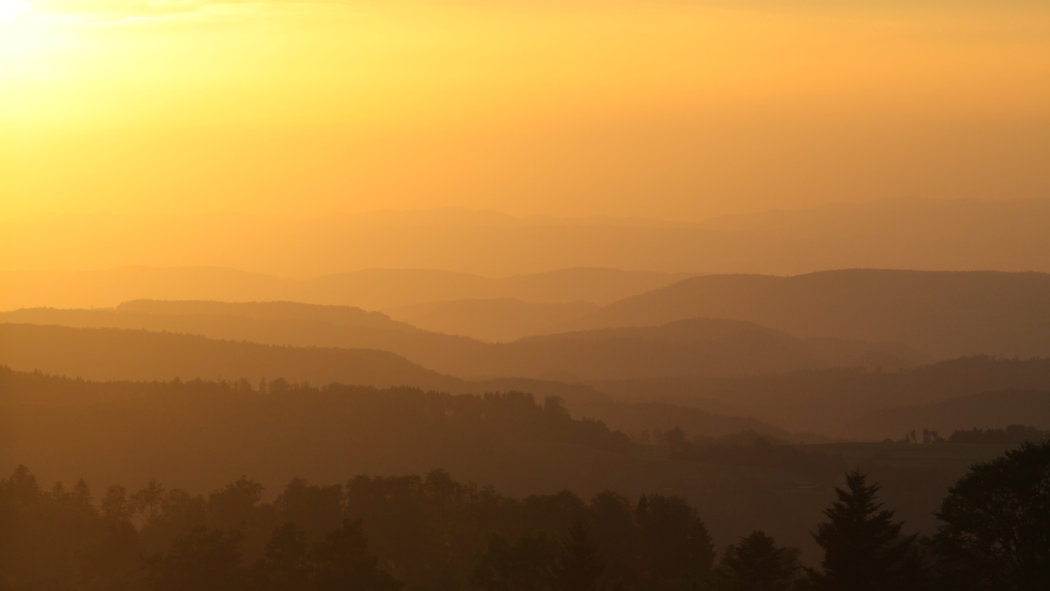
(119, 354)
(830, 401)
(416, 533)
(128, 432)
(987, 410)
(123, 432)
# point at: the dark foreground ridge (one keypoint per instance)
(413, 532)
(125, 433)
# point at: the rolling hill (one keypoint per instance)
(371, 289)
(139, 355)
(691, 347)
(831, 401)
(120, 354)
(493, 320)
(941, 314)
(686, 348)
(986, 410)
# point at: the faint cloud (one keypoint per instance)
(162, 12)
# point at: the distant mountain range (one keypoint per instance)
(941, 314)
(694, 347)
(754, 324)
(987, 409)
(927, 234)
(811, 353)
(861, 403)
(897, 234)
(120, 354)
(843, 402)
(139, 355)
(371, 289)
(494, 320)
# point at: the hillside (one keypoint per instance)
(986, 410)
(122, 354)
(119, 354)
(690, 347)
(831, 401)
(693, 347)
(276, 323)
(127, 433)
(493, 320)
(942, 314)
(928, 234)
(371, 289)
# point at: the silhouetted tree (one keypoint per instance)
(284, 565)
(117, 555)
(756, 563)
(863, 547)
(614, 534)
(578, 567)
(996, 532)
(148, 500)
(341, 562)
(555, 405)
(233, 506)
(203, 560)
(1014, 435)
(526, 565)
(675, 547)
(312, 508)
(173, 515)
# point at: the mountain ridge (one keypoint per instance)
(140, 355)
(941, 313)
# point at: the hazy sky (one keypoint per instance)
(664, 109)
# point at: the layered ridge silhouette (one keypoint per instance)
(373, 289)
(943, 314)
(129, 432)
(126, 354)
(688, 347)
(836, 401)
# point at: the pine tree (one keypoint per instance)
(756, 563)
(863, 547)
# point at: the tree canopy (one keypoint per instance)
(996, 530)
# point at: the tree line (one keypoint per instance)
(431, 532)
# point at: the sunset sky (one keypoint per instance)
(668, 109)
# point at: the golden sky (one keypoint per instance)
(658, 108)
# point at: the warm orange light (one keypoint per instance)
(625, 108)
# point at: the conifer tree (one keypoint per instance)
(863, 546)
(756, 563)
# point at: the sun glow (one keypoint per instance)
(511, 105)
(41, 50)
(12, 10)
